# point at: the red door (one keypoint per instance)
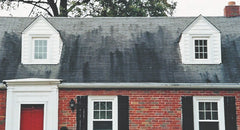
(31, 117)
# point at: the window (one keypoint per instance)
(208, 113)
(102, 118)
(103, 114)
(201, 51)
(40, 49)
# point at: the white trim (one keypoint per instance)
(114, 100)
(32, 81)
(221, 115)
(18, 94)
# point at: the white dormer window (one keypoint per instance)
(41, 43)
(201, 43)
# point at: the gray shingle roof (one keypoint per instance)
(121, 50)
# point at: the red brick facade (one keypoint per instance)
(150, 109)
(2, 109)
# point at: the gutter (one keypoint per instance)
(149, 85)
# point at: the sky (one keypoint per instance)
(184, 8)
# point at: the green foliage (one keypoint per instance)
(95, 8)
(125, 8)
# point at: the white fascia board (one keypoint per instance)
(150, 85)
(34, 81)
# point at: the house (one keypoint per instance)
(160, 73)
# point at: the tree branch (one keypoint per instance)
(63, 8)
(35, 4)
(31, 11)
(53, 7)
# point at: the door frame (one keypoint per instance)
(32, 91)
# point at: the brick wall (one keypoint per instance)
(149, 109)
(2, 109)
(232, 11)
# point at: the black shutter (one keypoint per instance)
(82, 112)
(187, 113)
(230, 113)
(123, 117)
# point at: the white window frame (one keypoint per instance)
(113, 99)
(194, 52)
(201, 37)
(220, 104)
(33, 49)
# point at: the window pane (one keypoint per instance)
(215, 116)
(208, 115)
(205, 55)
(207, 105)
(201, 115)
(200, 42)
(102, 115)
(208, 126)
(205, 42)
(205, 49)
(103, 106)
(96, 114)
(214, 106)
(45, 42)
(96, 105)
(196, 49)
(40, 42)
(40, 49)
(102, 125)
(45, 49)
(109, 115)
(109, 105)
(39, 56)
(201, 56)
(196, 42)
(201, 106)
(36, 56)
(44, 55)
(196, 56)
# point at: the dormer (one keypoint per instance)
(41, 43)
(200, 43)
